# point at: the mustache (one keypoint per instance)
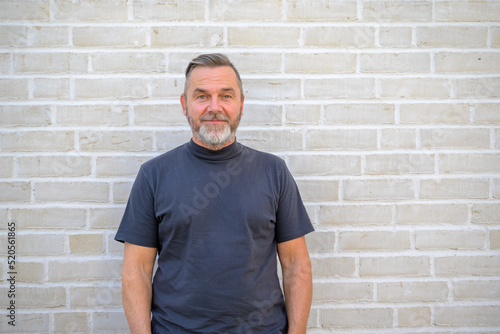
(212, 116)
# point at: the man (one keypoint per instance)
(216, 213)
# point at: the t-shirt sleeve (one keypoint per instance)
(139, 224)
(292, 220)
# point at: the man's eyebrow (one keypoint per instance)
(203, 91)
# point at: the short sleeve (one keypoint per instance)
(139, 224)
(292, 220)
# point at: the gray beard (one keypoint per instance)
(214, 137)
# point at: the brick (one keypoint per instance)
(414, 316)
(346, 88)
(159, 115)
(109, 36)
(94, 296)
(166, 88)
(395, 36)
(303, 10)
(398, 164)
(298, 114)
(446, 239)
(495, 36)
(476, 290)
(119, 166)
(272, 89)
(466, 11)
(35, 244)
(252, 62)
(496, 188)
(476, 265)
(86, 244)
(343, 292)
(109, 321)
(89, 270)
(33, 10)
(470, 163)
(318, 190)
(114, 247)
(54, 62)
(320, 241)
(71, 322)
(454, 188)
(106, 217)
(374, 240)
(486, 213)
(381, 190)
(187, 36)
(5, 63)
(6, 166)
(41, 297)
(339, 37)
(37, 141)
(30, 272)
(415, 88)
(276, 140)
(432, 214)
(333, 267)
(121, 191)
(361, 317)
(486, 113)
(341, 139)
(49, 36)
(15, 191)
(14, 35)
(47, 218)
(395, 63)
(14, 89)
(413, 292)
(320, 63)
(399, 266)
(434, 113)
(92, 115)
(455, 138)
(495, 239)
(128, 62)
(356, 215)
(35, 115)
(476, 315)
(167, 140)
(186, 10)
(398, 139)
(451, 36)
(480, 88)
(263, 115)
(326, 165)
(395, 11)
(359, 114)
(48, 88)
(474, 62)
(264, 10)
(102, 141)
(83, 191)
(91, 10)
(111, 88)
(31, 323)
(264, 36)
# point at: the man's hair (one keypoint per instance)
(211, 60)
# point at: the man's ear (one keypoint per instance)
(183, 104)
(242, 101)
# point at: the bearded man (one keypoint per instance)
(216, 215)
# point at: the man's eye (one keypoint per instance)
(201, 96)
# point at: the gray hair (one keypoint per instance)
(212, 60)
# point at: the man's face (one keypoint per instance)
(213, 105)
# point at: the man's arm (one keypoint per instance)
(137, 271)
(297, 283)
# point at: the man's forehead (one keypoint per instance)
(223, 75)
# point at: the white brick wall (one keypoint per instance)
(387, 113)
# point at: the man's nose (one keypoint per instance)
(214, 104)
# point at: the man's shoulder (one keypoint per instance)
(263, 157)
(164, 159)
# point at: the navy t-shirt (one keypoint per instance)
(215, 218)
